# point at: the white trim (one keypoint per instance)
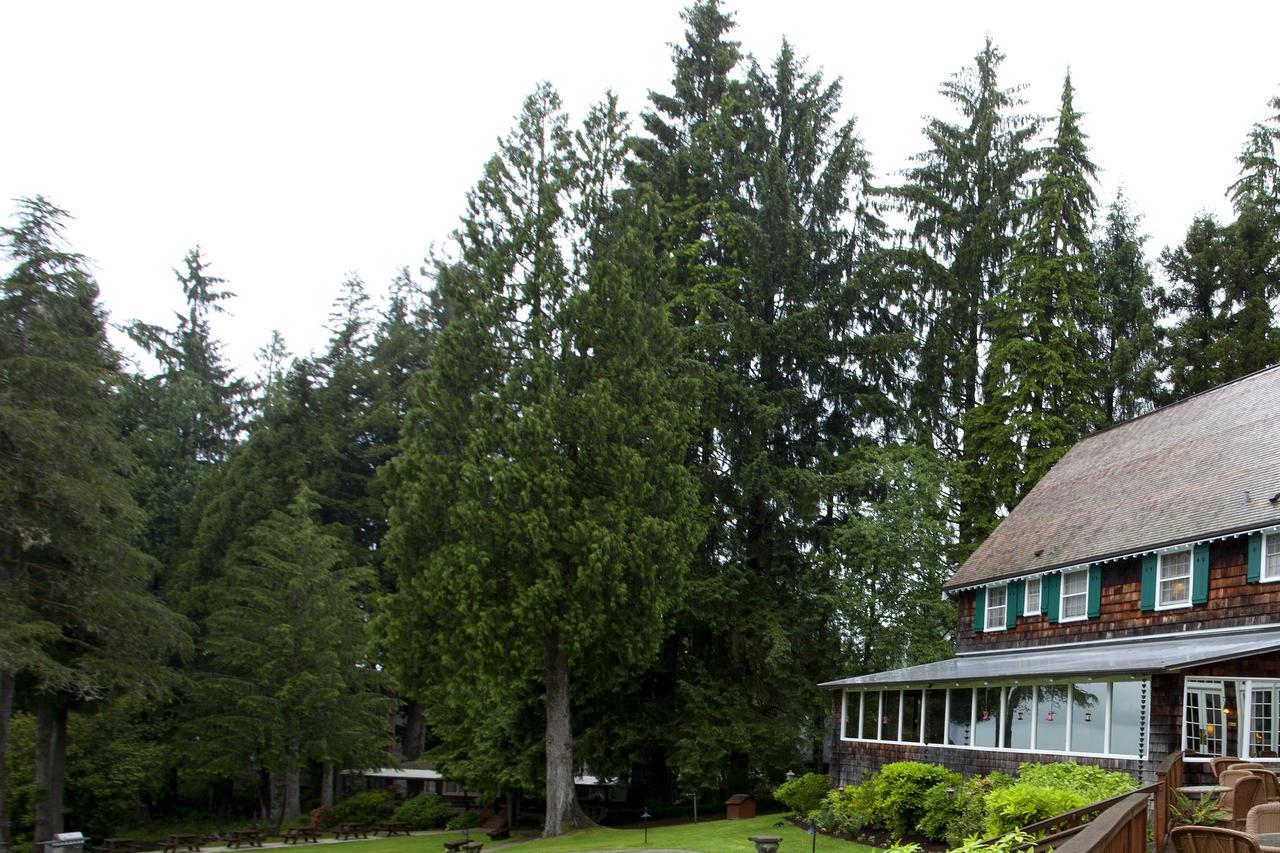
(1062, 596)
(1262, 567)
(1191, 574)
(1004, 610)
(1202, 632)
(1026, 596)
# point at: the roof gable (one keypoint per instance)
(1176, 474)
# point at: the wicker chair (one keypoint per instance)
(1244, 795)
(1223, 762)
(1246, 765)
(1262, 820)
(1232, 776)
(1270, 787)
(1211, 839)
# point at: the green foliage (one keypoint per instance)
(803, 794)
(463, 820)
(1023, 803)
(900, 790)
(942, 806)
(1092, 782)
(1202, 811)
(425, 811)
(849, 809)
(366, 808)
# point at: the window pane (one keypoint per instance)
(1075, 593)
(935, 710)
(851, 714)
(988, 724)
(1175, 565)
(1271, 565)
(961, 716)
(1088, 716)
(911, 700)
(1017, 725)
(1262, 736)
(870, 714)
(1033, 596)
(889, 717)
(1128, 716)
(1051, 717)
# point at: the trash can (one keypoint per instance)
(65, 842)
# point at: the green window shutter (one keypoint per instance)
(1014, 600)
(1255, 557)
(1148, 600)
(1095, 591)
(1050, 600)
(979, 609)
(1200, 574)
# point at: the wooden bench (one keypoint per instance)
(300, 833)
(391, 828)
(238, 837)
(173, 841)
(351, 830)
(454, 846)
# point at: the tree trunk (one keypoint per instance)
(326, 784)
(415, 731)
(292, 809)
(275, 805)
(51, 754)
(6, 714)
(563, 811)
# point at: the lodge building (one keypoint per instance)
(1126, 608)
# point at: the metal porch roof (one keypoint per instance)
(1138, 657)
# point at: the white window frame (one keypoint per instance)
(1026, 601)
(1262, 570)
(1003, 608)
(1062, 596)
(1160, 579)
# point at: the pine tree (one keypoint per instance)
(1040, 380)
(1195, 300)
(964, 198)
(543, 517)
(1127, 339)
(77, 621)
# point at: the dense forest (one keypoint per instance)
(696, 411)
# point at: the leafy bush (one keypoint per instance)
(943, 806)
(462, 820)
(1024, 803)
(803, 794)
(848, 809)
(1094, 783)
(367, 808)
(900, 789)
(425, 811)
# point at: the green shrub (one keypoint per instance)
(367, 808)
(803, 794)
(462, 820)
(1023, 803)
(848, 809)
(1094, 783)
(942, 806)
(425, 811)
(900, 789)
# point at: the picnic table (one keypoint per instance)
(174, 840)
(454, 846)
(391, 828)
(237, 837)
(118, 845)
(351, 830)
(301, 833)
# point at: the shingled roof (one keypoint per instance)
(1177, 474)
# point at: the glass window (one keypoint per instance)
(911, 702)
(1020, 708)
(1075, 594)
(961, 716)
(1174, 579)
(1262, 735)
(850, 714)
(935, 712)
(1203, 718)
(1032, 605)
(1088, 717)
(987, 725)
(997, 601)
(1051, 717)
(871, 715)
(889, 716)
(1128, 717)
(1271, 556)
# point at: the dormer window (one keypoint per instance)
(1075, 595)
(997, 607)
(1031, 607)
(1173, 580)
(1271, 557)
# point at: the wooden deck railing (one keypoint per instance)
(1120, 829)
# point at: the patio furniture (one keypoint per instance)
(175, 840)
(391, 828)
(1230, 777)
(1263, 823)
(1270, 787)
(118, 845)
(1247, 765)
(351, 830)
(1212, 839)
(299, 834)
(1244, 795)
(454, 846)
(1223, 762)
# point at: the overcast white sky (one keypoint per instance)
(298, 141)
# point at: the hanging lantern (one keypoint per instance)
(1088, 716)
(1048, 718)
(1019, 714)
(986, 715)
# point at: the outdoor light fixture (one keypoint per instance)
(1019, 713)
(1088, 716)
(645, 817)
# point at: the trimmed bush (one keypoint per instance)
(462, 820)
(847, 809)
(1094, 783)
(1024, 803)
(900, 790)
(367, 808)
(803, 794)
(425, 811)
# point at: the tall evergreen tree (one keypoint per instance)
(1127, 338)
(1039, 382)
(542, 508)
(1195, 299)
(77, 621)
(964, 198)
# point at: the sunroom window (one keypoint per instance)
(997, 606)
(1174, 580)
(1075, 594)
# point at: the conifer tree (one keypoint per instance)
(1040, 380)
(1195, 299)
(964, 198)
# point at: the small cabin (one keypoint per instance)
(1128, 607)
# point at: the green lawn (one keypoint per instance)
(711, 836)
